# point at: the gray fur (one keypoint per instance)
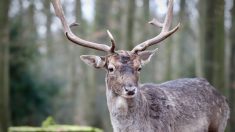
(183, 105)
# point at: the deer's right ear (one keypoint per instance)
(93, 60)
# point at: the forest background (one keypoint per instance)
(41, 74)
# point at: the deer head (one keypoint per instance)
(123, 67)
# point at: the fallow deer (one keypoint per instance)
(183, 105)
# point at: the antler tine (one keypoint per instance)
(112, 42)
(169, 15)
(155, 22)
(70, 35)
(74, 24)
(164, 32)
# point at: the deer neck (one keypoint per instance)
(126, 112)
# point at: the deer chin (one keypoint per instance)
(128, 96)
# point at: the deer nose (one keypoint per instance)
(130, 89)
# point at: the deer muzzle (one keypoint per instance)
(129, 91)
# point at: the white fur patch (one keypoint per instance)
(121, 105)
(99, 62)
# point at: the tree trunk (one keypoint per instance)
(116, 23)
(49, 37)
(77, 81)
(4, 64)
(201, 44)
(145, 16)
(219, 49)
(179, 45)
(232, 71)
(130, 24)
(168, 71)
(102, 12)
(214, 44)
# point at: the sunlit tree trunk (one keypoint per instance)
(4, 64)
(232, 71)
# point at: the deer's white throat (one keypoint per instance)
(121, 105)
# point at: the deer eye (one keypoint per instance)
(139, 69)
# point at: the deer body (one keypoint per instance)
(176, 106)
(181, 105)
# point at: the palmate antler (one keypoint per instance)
(164, 32)
(75, 39)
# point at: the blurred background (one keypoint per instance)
(41, 74)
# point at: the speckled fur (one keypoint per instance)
(181, 105)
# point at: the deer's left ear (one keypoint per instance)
(145, 56)
(93, 60)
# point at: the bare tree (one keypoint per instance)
(130, 23)
(201, 45)
(50, 50)
(77, 83)
(214, 43)
(4, 65)
(232, 71)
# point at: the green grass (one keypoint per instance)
(54, 128)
